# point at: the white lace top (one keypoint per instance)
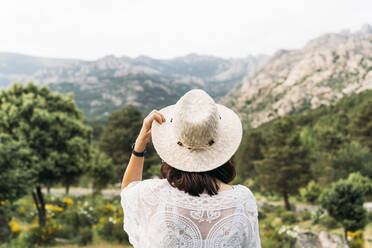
(158, 215)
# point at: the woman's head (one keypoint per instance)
(196, 183)
(198, 137)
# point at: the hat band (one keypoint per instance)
(200, 147)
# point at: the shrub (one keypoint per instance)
(305, 215)
(261, 215)
(42, 235)
(273, 238)
(289, 217)
(112, 229)
(344, 202)
(85, 236)
(66, 232)
(77, 218)
(329, 222)
(311, 192)
(317, 216)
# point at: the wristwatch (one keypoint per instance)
(138, 154)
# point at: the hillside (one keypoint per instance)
(108, 84)
(325, 70)
(19, 67)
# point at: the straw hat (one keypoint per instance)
(198, 134)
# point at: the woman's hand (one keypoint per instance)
(144, 136)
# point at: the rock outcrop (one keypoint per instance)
(322, 72)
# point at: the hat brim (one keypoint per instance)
(230, 133)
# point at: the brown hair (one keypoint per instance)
(196, 183)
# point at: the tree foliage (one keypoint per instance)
(361, 126)
(52, 129)
(118, 136)
(285, 166)
(101, 171)
(15, 180)
(344, 202)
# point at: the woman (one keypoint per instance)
(193, 206)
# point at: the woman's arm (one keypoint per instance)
(135, 165)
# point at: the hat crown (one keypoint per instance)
(196, 120)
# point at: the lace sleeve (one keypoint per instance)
(251, 209)
(130, 201)
(257, 232)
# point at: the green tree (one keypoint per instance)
(118, 136)
(15, 180)
(285, 167)
(344, 202)
(361, 126)
(311, 192)
(52, 129)
(352, 158)
(101, 171)
(364, 183)
(331, 136)
(248, 152)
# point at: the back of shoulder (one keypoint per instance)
(247, 199)
(146, 185)
(246, 192)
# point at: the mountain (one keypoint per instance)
(107, 84)
(322, 72)
(19, 67)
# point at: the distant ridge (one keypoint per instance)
(322, 72)
(109, 83)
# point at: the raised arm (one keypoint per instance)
(135, 165)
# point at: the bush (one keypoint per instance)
(261, 215)
(112, 229)
(305, 215)
(272, 238)
(42, 235)
(85, 236)
(289, 217)
(66, 232)
(369, 216)
(77, 218)
(311, 192)
(329, 222)
(344, 202)
(317, 216)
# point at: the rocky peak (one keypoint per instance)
(322, 72)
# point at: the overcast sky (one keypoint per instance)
(89, 29)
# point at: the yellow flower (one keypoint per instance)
(109, 208)
(54, 208)
(35, 222)
(102, 220)
(120, 211)
(21, 210)
(15, 227)
(68, 201)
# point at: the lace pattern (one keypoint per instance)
(158, 215)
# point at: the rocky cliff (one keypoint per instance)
(322, 72)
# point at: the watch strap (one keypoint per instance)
(138, 154)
